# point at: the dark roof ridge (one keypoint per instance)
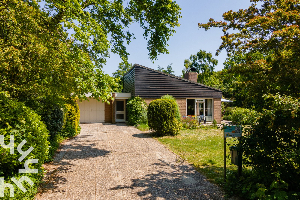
(173, 76)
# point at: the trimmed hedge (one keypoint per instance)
(137, 111)
(162, 117)
(22, 122)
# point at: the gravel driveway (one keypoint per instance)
(121, 162)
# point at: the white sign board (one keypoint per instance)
(232, 131)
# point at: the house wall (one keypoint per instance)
(217, 110)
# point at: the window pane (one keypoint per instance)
(120, 116)
(120, 105)
(208, 109)
(190, 103)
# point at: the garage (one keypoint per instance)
(91, 111)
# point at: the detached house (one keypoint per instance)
(193, 98)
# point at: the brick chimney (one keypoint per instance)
(192, 76)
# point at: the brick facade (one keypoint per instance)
(217, 110)
(110, 109)
(192, 76)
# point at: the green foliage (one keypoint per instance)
(241, 116)
(189, 122)
(71, 119)
(262, 56)
(177, 114)
(271, 148)
(204, 64)
(18, 120)
(39, 60)
(31, 190)
(137, 111)
(143, 127)
(51, 111)
(215, 123)
(123, 68)
(250, 186)
(103, 25)
(162, 117)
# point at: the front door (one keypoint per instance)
(200, 105)
(120, 111)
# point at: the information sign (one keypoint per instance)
(232, 131)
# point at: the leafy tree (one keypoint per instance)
(169, 69)
(123, 68)
(39, 58)
(204, 64)
(263, 48)
(262, 43)
(36, 61)
(94, 22)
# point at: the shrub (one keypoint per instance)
(272, 149)
(71, 119)
(137, 111)
(189, 122)
(162, 117)
(178, 116)
(22, 122)
(242, 116)
(51, 111)
(227, 113)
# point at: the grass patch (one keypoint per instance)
(204, 148)
(143, 127)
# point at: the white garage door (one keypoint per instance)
(91, 111)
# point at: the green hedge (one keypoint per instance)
(71, 119)
(162, 117)
(137, 111)
(271, 149)
(22, 122)
(241, 116)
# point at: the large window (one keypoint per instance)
(204, 108)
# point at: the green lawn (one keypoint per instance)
(204, 148)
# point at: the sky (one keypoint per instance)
(187, 40)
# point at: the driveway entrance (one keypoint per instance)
(120, 162)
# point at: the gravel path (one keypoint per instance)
(120, 162)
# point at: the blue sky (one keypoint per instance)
(187, 40)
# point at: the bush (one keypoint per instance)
(272, 149)
(189, 122)
(51, 111)
(22, 122)
(178, 116)
(137, 111)
(241, 116)
(162, 117)
(71, 119)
